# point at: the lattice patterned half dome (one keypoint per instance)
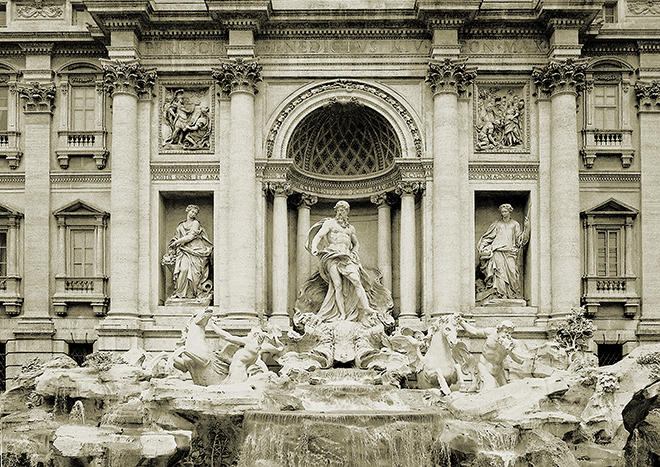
(344, 140)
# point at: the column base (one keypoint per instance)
(282, 322)
(119, 334)
(412, 322)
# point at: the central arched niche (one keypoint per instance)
(344, 140)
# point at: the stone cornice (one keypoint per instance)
(649, 47)
(280, 32)
(127, 77)
(36, 48)
(37, 97)
(450, 76)
(238, 74)
(648, 96)
(240, 14)
(512, 31)
(561, 76)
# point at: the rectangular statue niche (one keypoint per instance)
(185, 248)
(502, 233)
(186, 117)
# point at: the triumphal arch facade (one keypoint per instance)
(158, 157)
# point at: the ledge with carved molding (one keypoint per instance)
(607, 142)
(10, 148)
(284, 170)
(648, 96)
(600, 290)
(127, 77)
(81, 290)
(238, 75)
(10, 294)
(37, 97)
(450, 76)
(82, 143)
(560, 76)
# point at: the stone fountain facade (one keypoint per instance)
(160, 158)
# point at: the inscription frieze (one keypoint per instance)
(319, 46)
(165, 172)
(520, 46)
(192, 48)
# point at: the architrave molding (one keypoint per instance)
(503, 171)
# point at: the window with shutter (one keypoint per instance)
(606, 107)
(82, 249)
(83, 101)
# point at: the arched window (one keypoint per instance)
(344, 140)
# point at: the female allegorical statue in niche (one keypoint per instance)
(188, 256)
(498, 252)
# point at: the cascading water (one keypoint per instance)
(341, 439)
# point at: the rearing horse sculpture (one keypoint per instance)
(446, 358)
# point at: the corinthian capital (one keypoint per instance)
(409, 187)
(238, 74)
(37, 97)
(561, 76)
(648, 95)
(127, 77)
(279, 188)
(450, 76)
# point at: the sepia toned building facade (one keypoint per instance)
(426, 116)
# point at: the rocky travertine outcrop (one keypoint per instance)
(118, 414)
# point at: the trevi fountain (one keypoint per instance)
(347, 384)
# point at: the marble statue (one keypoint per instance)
(499, 345)
(499, 249)
(188, 256)
(239, 359)
(350, 292)
(446, 358)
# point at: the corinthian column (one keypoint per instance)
(648, 95)
(408, 253)
(447, 79)
(303, 258)
(384, 238)
(38, 107)
(239, 78)
(125, 81)
(563, 80)
(280, 253)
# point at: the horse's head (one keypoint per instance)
(447, 326)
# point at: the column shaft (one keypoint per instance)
(407, 258)
(446, 203)
(302, 255)
(37, 215)
(242, 276)
(564, 204)
(124, 233)
(384, 243)
(280, 249)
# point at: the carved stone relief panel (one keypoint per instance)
(501, 117)
(186, 117)
(39, 9)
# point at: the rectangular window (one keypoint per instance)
(606, 112)
(83, 100)
(609, 354)
(3, 253)
(3, 15)
(607, 253)
(82, 253)
(4, 107)
(609, 13)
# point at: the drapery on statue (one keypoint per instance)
(342, 289)
(188, 255)
(499, 249)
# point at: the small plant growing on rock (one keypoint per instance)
(575, 331)
(103, 361)
(607, 382)
(653, 360)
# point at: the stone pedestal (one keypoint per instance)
(238, 79)
(447, 79)
(648, 95)
(563, 80)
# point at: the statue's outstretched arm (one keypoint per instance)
(227, 336)
(325, 228)
(472, 330)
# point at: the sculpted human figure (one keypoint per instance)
(176, 116)
(188, 254)
(499, 344)
(252, 347)
(498, 250)
(337, 246)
